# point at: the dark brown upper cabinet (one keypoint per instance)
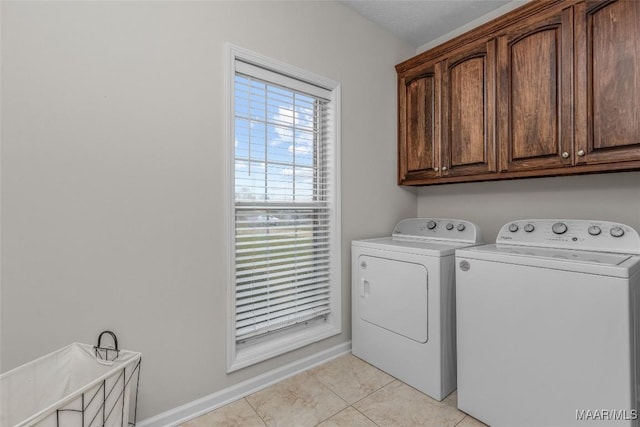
(468, 111)
(551, 88)
(608, 97)
(419, 124)
(535, 64)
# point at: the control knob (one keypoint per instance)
(431, 225)
(529, 228)
(449, 226)
(461, 227)
(559, 228)
(617, 232)
(594, 230)
(513, 228)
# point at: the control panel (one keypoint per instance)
(438, 229)
(585, 235)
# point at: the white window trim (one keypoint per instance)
(297, 338)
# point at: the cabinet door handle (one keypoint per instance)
(581, 153)
(436, 169)
(444, 168)
(565, 155)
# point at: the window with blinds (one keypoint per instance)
(285, 208)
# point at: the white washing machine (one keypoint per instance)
(548, 325)
(403, 301)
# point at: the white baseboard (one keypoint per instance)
(215, 400)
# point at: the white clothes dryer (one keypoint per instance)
(548, 325)
(403, 301)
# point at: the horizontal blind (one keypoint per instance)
(282, 217)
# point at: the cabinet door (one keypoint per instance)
(535, 94)
(418, 125)
(608, 78)
(468, 111)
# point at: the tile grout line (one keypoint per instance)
(331, 390)
(365, 415)
(256, 412)
(376, 390)
(463, 418)
(344, 409)
(331, 416)
(380, 388)
(350, 405)
(362, 398)
(335, 394)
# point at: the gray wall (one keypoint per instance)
(113, 172)
(612, 197)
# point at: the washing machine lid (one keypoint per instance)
(589, 246)
(602, 263)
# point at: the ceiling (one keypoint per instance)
(421, 21)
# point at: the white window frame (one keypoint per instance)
(286, 340)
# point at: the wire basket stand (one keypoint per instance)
(112, 392)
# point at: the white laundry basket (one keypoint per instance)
(79, 385)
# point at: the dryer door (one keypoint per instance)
(392, 294)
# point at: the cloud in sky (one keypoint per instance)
(278, 137)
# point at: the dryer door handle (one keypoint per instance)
(365, 288)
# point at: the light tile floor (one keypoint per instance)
(344, 392)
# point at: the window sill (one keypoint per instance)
(278, 345)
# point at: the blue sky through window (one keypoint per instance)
(275, 142)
